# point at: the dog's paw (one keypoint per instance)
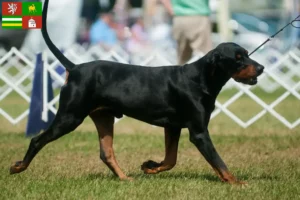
(150, 164)
(150, 167)
(18, 167)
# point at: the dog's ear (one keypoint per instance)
(214, 58)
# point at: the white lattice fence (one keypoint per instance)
(280, 81)
(16, 72)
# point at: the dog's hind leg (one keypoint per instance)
(104, 123)
(62, 124)
(172, 136)
(69, 116)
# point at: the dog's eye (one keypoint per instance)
(238, 56)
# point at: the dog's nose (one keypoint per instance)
(259, 69)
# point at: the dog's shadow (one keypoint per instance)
(181, 175)
(166, 175)
(100, 175)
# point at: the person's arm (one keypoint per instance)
(168, 6)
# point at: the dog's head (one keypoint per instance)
(234, 60)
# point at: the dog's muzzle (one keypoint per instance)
(252, 80)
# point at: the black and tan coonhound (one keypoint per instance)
(173, 97)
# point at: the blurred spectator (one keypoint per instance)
(138, 39)
(91, 8)
(191, 26)
(158, 24)
(102, 32)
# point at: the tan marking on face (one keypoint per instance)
(245, 73)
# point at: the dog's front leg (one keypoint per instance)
(202, 141)
(172, 136)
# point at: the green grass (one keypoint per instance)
(70, 168)
(266, 155)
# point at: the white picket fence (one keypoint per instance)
(282, 72)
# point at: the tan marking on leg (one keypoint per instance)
(67, 76)
(18, 167)
(104, 124)
(171, 148)
(227, 177)
(100, 108)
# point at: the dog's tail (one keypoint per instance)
(65, 61)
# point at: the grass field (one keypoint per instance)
(266, 155)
